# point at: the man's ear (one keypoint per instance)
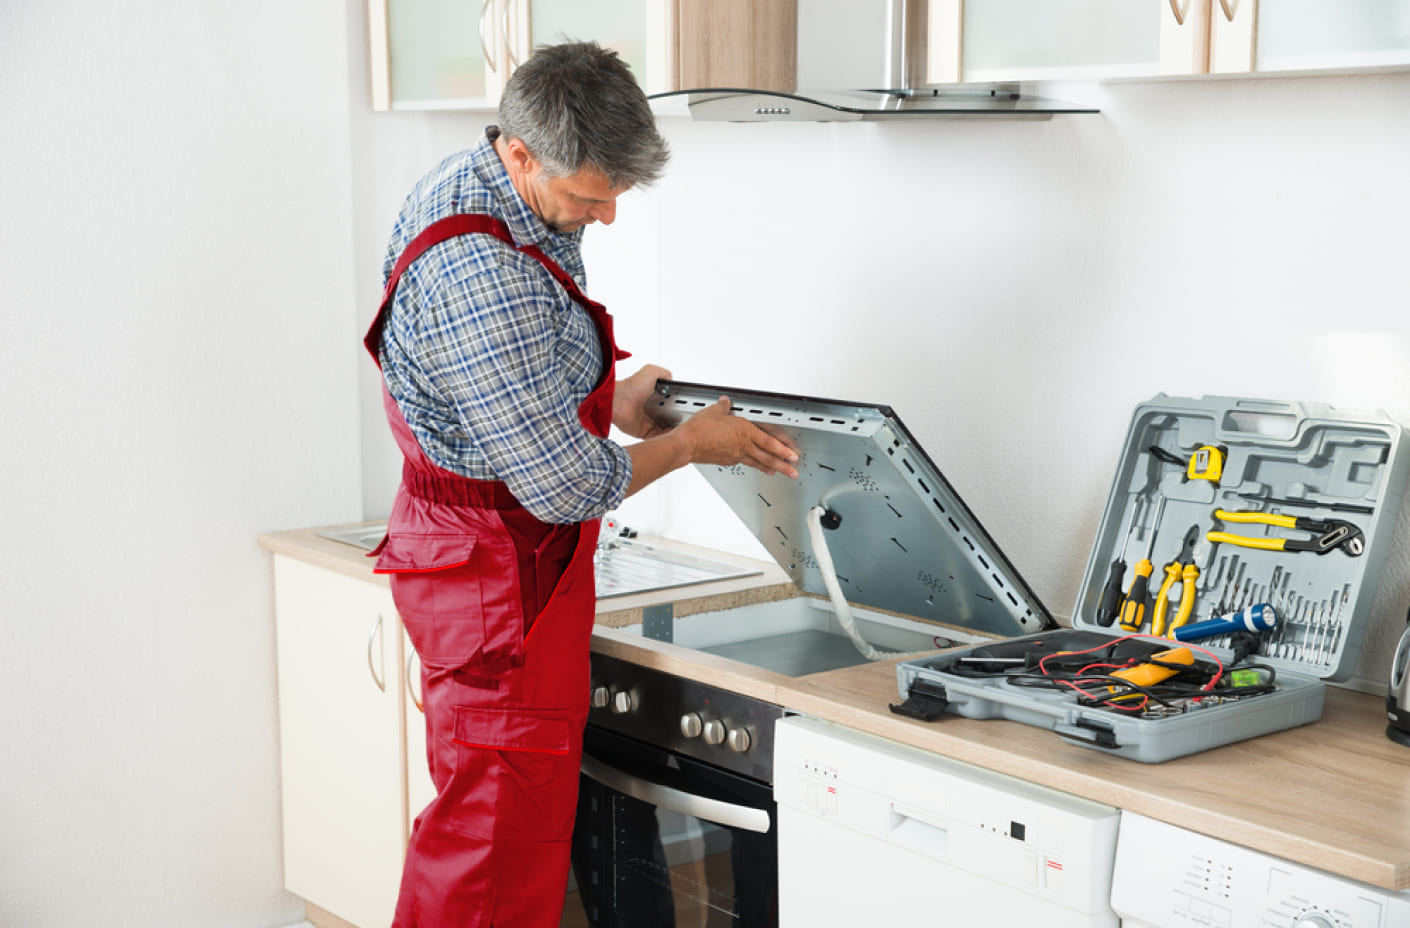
(520, 158)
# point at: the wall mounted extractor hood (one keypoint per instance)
(737, 105)
(848, 60)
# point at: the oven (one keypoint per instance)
(676, 819)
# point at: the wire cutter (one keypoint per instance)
(1328, 533)
(1182, 568)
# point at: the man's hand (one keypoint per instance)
(629, 402)
(716, 437)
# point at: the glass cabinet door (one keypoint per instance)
(1293, 35)
(617, 24)
(1029, 39)
(987, 41)
(436, 54)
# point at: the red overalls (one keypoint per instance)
(499, 606)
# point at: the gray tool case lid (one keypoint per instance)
(905, 542)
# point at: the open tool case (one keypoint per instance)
(1288, 505)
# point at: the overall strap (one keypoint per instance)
(437, 232)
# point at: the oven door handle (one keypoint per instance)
(667, 797)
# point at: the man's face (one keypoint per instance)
(568, 203)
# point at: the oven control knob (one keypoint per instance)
(692, 725)
(738, 740)
(601, 697)
(714, 731)
(622, 703)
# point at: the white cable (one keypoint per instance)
(834, 592)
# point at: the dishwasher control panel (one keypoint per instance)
(1169, 877)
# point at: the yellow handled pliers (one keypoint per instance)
(1182, 568)
(1329, 533)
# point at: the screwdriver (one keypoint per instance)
(1133, 610)
(1110, 605)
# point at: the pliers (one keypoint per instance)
(1329, 533)
(1182, 568)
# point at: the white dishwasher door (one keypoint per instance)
(872, 832)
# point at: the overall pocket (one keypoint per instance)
(521, 764)
(457, 598)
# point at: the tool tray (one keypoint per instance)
(1231, 476)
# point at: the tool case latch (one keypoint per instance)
(924, 700)
(1083, 730)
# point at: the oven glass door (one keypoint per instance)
(665, 841)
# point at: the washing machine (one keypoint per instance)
(1169, 877)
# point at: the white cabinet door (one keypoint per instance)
(1297, 35)
(340, 734)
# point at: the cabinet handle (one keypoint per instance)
(1179, 13)
(372, 668)
(484, 8)
(411, 690)
(508, 43)
(1228, 13)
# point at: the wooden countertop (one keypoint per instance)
(1334, 795)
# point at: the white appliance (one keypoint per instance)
(872, 832)
(1168, 877)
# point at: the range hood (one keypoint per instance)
(848, 60)
(740, 105)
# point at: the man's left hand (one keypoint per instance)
(629, 402)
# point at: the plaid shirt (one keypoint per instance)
(488, 358)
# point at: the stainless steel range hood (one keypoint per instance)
(852, 60)
(738, 105)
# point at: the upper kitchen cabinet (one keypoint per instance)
(985, 41)
(458, 54)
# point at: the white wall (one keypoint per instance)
(177, 376)
(1015, 288)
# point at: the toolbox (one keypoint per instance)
(1261, 526)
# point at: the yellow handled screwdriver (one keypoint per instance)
(1133, 610)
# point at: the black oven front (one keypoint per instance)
(676, 819)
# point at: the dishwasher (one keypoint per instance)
(1195, 881)
(874, 832)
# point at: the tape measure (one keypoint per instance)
(1207, 463)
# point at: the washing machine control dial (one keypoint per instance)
(1313, 921)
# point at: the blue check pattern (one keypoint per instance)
(488, 358)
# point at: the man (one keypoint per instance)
(500, 389)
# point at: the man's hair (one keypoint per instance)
(577, 104)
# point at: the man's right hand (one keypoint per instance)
(716, 437)
(710, 436)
